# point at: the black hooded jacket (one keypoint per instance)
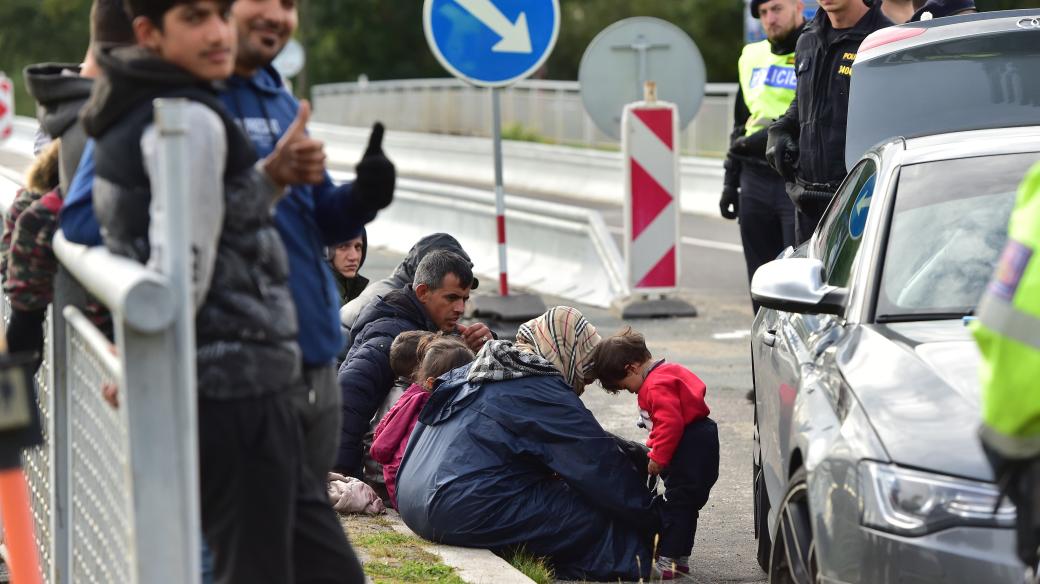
(818, 116)
(60, 94)
(246, 323)
(350, 288)
(403, 275)
(365, 377)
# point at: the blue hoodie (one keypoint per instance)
(308, 218)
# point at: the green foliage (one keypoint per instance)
(520, 133)
(37, 31)
(384, 40)
(535, 568)
(408, 572)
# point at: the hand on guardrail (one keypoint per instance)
(376, 175)
(297, 158)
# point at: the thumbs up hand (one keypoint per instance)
(376, 175)
(297, 158)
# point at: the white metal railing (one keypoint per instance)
(114, 491)
(539, 109)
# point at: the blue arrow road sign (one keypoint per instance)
(860, 208)
(492, 43)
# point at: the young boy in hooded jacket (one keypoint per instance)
(279, 528)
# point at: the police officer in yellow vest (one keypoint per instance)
(752, 190)
(1008, 335)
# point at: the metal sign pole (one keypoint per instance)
(500, 197)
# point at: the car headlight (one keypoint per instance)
(911, 502)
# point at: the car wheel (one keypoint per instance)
(793, 558)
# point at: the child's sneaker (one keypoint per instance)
(683, 564)
(668, 568)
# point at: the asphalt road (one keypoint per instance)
(715, 347)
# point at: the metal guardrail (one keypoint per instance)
(115, 491)
(554, 249)
(539, 109)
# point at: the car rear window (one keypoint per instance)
(986, 81)
(948, 228)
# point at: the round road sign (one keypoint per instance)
(491, 43)
(629, 52)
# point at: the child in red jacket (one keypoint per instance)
(684, 441)
(436, 355)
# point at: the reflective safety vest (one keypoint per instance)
(767, 82)
(1008, 334)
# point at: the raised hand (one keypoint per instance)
(297, 158)
(376, 175)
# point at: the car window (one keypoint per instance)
(949, 225)
(965, 82)
(842, 232)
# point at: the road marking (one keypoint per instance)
(736, 248)
(732, 336)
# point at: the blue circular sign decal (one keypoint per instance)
(492, 43)
(860, 208)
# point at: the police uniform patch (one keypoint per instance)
(1012, 265)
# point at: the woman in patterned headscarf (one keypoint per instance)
(505, 454)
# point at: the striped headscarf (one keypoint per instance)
(563, 337)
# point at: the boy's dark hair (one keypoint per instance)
(439, 263)
(110, 23)
(613, 354)
(154, 10)
(441, 356)
(404, 353)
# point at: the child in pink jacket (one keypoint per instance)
(436, 356)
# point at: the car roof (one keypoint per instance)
(949, 28)
(967, 144)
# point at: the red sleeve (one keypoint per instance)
(666, 414)
(389, 433)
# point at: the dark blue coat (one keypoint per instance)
(524, 462)
(365, 376)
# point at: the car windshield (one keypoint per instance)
(948, 228)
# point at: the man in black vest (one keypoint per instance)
(263, 523)
(807, 144)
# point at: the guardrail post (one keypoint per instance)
(159, 385)
(66, 292)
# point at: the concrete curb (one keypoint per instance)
(475, 566)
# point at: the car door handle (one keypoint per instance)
(769, 338)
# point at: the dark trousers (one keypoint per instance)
(805, 225)
(766, 215)
(688, 480)
(318, 405)
(262, 520)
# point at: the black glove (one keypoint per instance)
(376, 175)
(782, 153)
(729, 203)
(753, 146)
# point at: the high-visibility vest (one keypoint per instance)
(1008, 334)
(768, 82)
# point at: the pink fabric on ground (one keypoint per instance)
(393, 432)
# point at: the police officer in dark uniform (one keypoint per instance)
(807, 144)
(752, 190)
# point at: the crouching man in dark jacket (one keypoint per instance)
(433, 302)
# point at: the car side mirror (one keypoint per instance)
(796, 285)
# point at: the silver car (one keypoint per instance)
(867, 465)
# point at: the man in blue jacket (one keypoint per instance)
(309, 218)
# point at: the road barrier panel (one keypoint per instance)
(649, 131)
